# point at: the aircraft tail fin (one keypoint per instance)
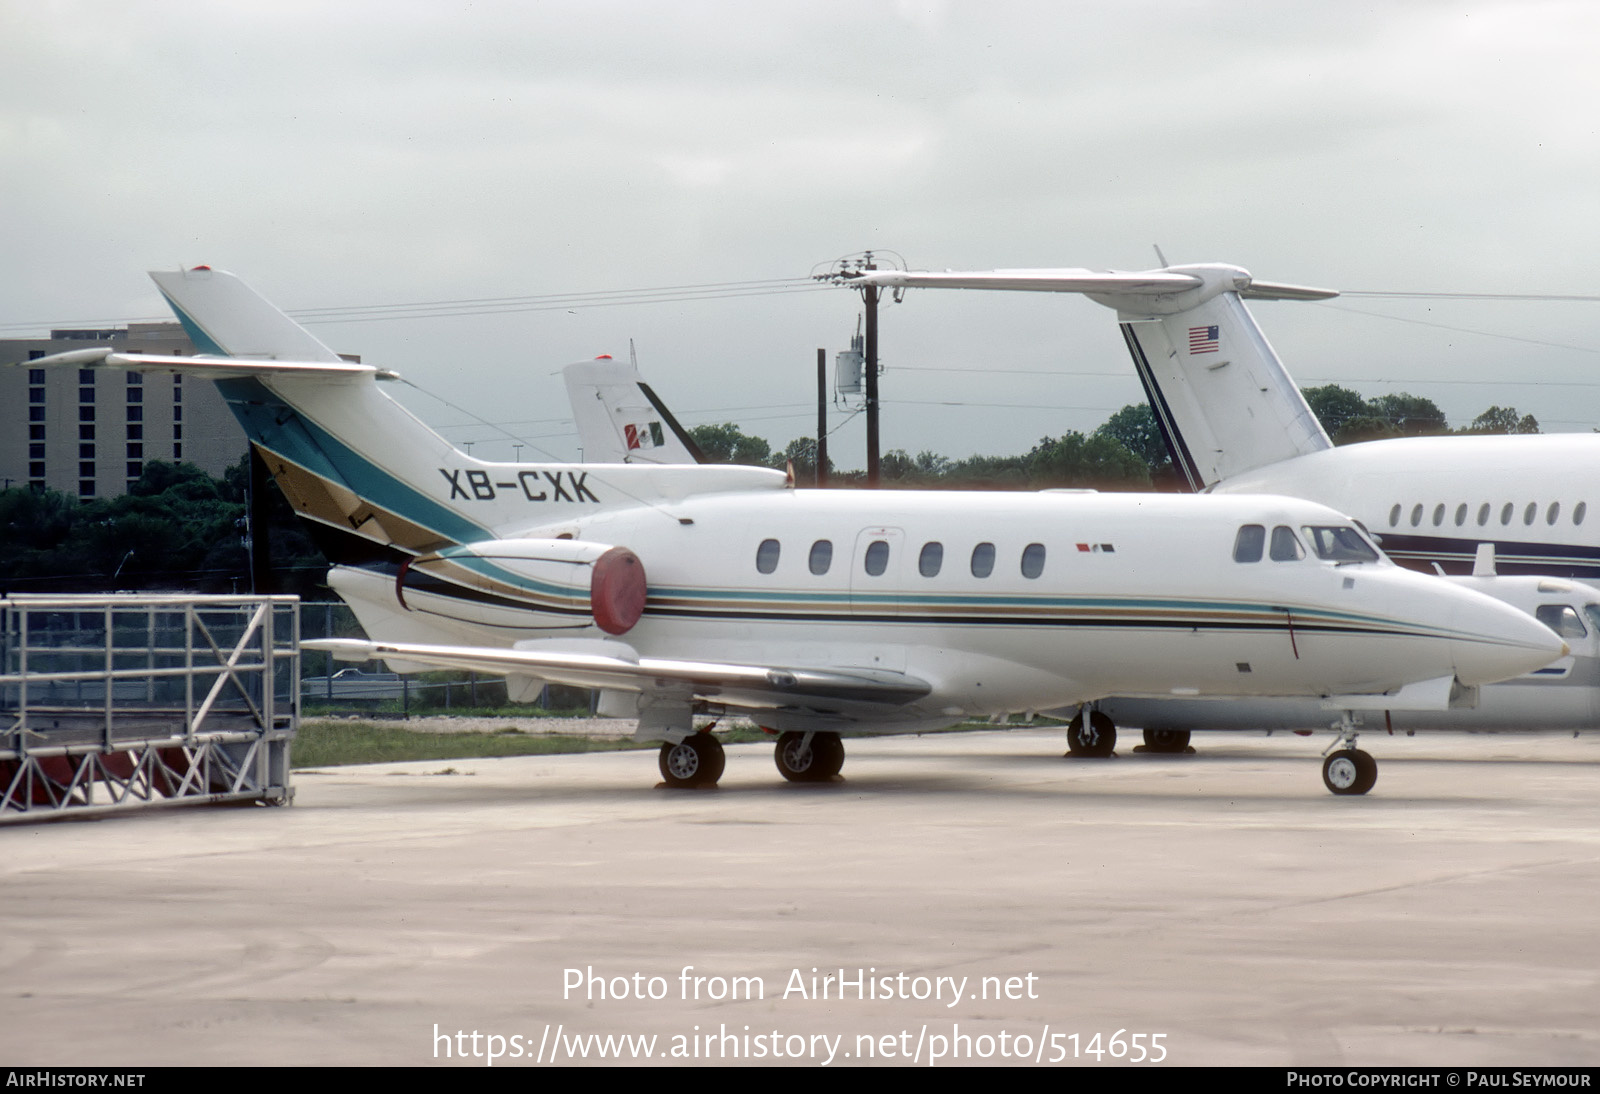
(620, 420)
(224, 316)
(1222, 398)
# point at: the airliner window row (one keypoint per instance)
(1508, 511)
(875, 561)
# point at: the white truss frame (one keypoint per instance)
(228, 740)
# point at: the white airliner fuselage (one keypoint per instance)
(1435, 499)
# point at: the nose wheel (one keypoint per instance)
(1349, 771)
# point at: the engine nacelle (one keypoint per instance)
(522, 583)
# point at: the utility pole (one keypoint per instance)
(845, 271)
(869, 298)
(822, 417)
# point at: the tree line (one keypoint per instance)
(179, 528)
(1126, 452)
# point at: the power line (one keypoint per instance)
(469, 306)
(1469, 295)
(1459, 330)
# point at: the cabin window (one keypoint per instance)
(1461, 514)
(931, 559)
(1578, 511)
(821, 556)
(1561, 618)
(1285, 546)
(1416, 514)
(1505, 513)
(1033, 560)
(1483, 514)
(1552, 513)
(1394, 515)
(1438, 514)
(1248, 543)
(767, 556)
(877, 558)
(1530, 512)
(1593, 612)
(983, 560)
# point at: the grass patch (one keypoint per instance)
(329, 744)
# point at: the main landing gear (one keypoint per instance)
(809, 757)
(1168, 741)
(1093, 736)
(697, 760)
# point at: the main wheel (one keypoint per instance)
(697, 760)
(829, 752)
(802, 763)
(1166, 740)
(1349, 771)
(1097, 738)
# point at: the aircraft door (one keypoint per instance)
(877, 571)
(877, 581)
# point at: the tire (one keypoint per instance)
(1166, 740)
(817, 763)
(1096, 740)
(829, 752)
(1349, 771)
(697, 760)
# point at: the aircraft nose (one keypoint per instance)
(1496, 642)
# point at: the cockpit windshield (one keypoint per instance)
(1339, 543)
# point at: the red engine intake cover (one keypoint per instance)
(617, 590)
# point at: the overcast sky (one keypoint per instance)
(339, 154)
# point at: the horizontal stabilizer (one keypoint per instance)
(210, 368)
(1223, 401)
(1063, 280)
(1090, 282)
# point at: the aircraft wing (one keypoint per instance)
(615, 665)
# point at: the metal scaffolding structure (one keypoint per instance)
(119, 702)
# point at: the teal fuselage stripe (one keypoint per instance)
(279, 427)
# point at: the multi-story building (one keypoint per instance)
(89, 432)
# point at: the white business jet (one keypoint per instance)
(1236, 423)
(683, 590)
(1561, 696)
